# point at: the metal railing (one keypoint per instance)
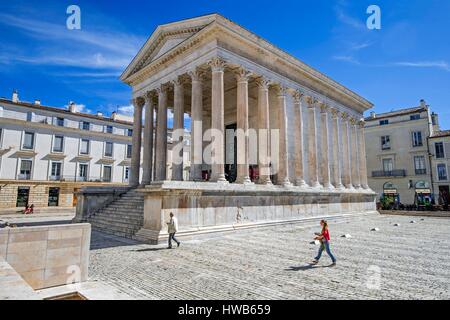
(421, 171)
(393, 173)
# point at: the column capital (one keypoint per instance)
(178, 81)
(149, 96)
(335, 113)
(281, 90)
(242, 75)
(311, 101)
(263, 83)
(162, 88)
(353, 121)
(344, 116)
(297, 96)
(323, 107)
(196, 75)
(362, 123)
(138, 102)
(217, 64)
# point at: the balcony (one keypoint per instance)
(384, 174)
(421, 172)
(24, 176)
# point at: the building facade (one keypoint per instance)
(227, 78)
(47, 153)
(400, 160)
(440, 163)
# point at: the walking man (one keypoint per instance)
(172, 227)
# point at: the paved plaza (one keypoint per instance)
(409, 261)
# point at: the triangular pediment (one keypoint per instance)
(165, 38)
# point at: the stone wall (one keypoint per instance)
(207, 207)
(46, 256)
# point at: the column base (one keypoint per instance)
(301, 183)
(316, 185)
(328, 186)
(244, 180)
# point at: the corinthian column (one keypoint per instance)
(217, 120)
(324, 159)
(178, 130)
(283, 163)
(336, 151)
(362, 156)
(263, 132)
(312, 145)
(147, 162)
(346, 172)
(136, 142)
(161, 134)
(196, 126)
(355, 155)
(299, 140)
(242, 127)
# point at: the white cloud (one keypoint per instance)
(126, 110)
(347, 58)
(444, 65)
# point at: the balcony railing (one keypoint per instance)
(421, 171)
(24, 176)
(393, 173)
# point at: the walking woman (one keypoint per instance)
(172, 227)
(324, 238)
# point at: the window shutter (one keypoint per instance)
(447, 150)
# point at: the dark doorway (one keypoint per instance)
(23, 193)
(53, 197)
(231, 146)
(444, 197)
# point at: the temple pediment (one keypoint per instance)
(165, 38)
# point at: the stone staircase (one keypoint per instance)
(123, 217)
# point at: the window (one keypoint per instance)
(384, 122)
(1, 136)
(53, 197)
(25, 170)
(60, 122)
(127, 173)
(419, 165)
(417, 139)
(129, 146)
(109, 129)
(106, 174)
(415, 117)
(130, 132)
(85, 125)
(29, 116)
(439, 146)
(385, 143)
(83, 172)
(388, 165)
(55, 173)
(108, 149)
(84, 149)
(442, 171)
(28, 140)
(58, 144)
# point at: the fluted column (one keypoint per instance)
(336, 151)
(346, 172)
(354, 154)
(161, 141)
(136, 142)
(178, 129)
(283, 161)
(313, 165)
(324, 153)
(147, 162)
(263, 131)
(217, 120)
(299, 140)
(196, 126)
(362, 157)
(242, 127)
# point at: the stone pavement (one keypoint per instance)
(412, 261)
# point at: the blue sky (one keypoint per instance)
(407, 60)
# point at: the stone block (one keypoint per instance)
(63, 257)
(25, 261)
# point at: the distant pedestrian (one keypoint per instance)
(172, 227)
(324, 238)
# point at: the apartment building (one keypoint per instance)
(439, 144)
(398, 159)
(48, 153)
